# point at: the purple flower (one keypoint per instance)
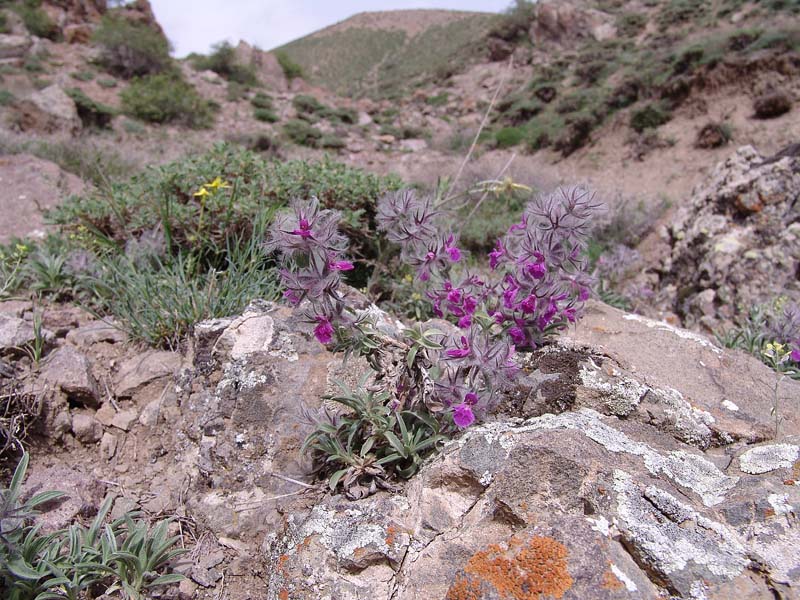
(341, 265)
(583, 296)
(324, 330)
(462, 416)
(795, 354)
(460, 352)
(305, 229)
(471, 399)
(465, 322)
(496, 254)
(528, 305)
(292, 297)
(451, 250)
(517, 335)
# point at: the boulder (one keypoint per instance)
(49, 110)
(565, 20)
(70, 371)
(738, 235)
(14, 46)
(31, 185)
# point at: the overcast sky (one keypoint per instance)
(194, 25)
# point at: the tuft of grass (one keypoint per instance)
(649, 116)
(266, 115)
(82, 75)
(438, 100)
(302, 133)
(291, 70)
(262, 100)
(92, 114)
(107, 82)
(509, 136)
(7, 98)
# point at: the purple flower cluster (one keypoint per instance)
(544, 275)
(411, 223)
(311, 248)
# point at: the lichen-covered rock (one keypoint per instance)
(49, 110)
(736, 242)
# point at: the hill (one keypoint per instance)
(383, 53)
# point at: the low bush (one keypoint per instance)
(302, 133)
(266, 115)
(631, 24)
(291, 69)
(83, 75)
(92, 114)
(166, 98)
(262, 100)
(7, 98)
(438, 100)
(678, 12)
(36, 20)
(515, 23)
(129, 49)
(649, 116)
(332, 142)
(509, 136)
(4, 26)
(224, 62)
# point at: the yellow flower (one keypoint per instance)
(202, 193)
(217, 184)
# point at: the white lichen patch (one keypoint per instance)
(284, 348)
(690, 471)
(252, 332)
(236, 374)
(621, 397)
(655, 524)
(730, 405)
(780, 504)
(681, 333)
(764, 459)
(626, 581)
(600, 525)
(343, 536)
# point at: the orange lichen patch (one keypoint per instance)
(391, 533)
(283, 595)
(464, 588)
(611, 581)
(282, 560)
(520, 571)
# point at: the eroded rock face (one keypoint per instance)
(663, 493)
(49, 110)
(558, 21)
(737, 242)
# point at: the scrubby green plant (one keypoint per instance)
(308, 105)
(4, 26)
(291, 70)
(129, 49)
(631, 24)
(107, 82)
(677, 12)
(262, 100)
(166, 98)
(649, 116)
(36, 20)
(124, 554)
(91, 113)
(438, 100)
(6, 98)
(515, 23)
(509, 136)
(265, 114)
(332, 142)
(82, 75)
(302, 133)
(224, 62)
(235, 92)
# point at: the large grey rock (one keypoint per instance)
(48, 111)
(70, 370)
(14, 46)
(568, 20)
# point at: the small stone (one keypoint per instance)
(86, 428)
(140, 370)
(124, 419)
(69, 370)
(122, 506)
(187, 588)
(108, 445)
(62, 423)
(95, 332)
(150, 413)
(105, 414)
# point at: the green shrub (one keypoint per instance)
(341, 115)
(82, 75)
(677, 12)
(223, 61)
(266, 115)
(4, 26)
(92, 113)
(130, 49)
(235, 92)
(166, 98)
(515, 23)
(332, 142)
(509, 136)
(36, 20)
(262, 100)
(308, 105)
(107, 82)
(6, 98)
(33, 64)
(631, 24)
(438, 99)
(649, 116)
(543, 131)
(302, 133)
(291, 69)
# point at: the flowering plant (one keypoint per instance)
(538, 281)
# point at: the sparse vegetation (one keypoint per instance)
(265, 114)
(92, 114)
(302, 133)
(6, 98)
(130, 49)
(224, 62)
(649, 116)
(166, 98)
(36, 20)
(291, 70)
